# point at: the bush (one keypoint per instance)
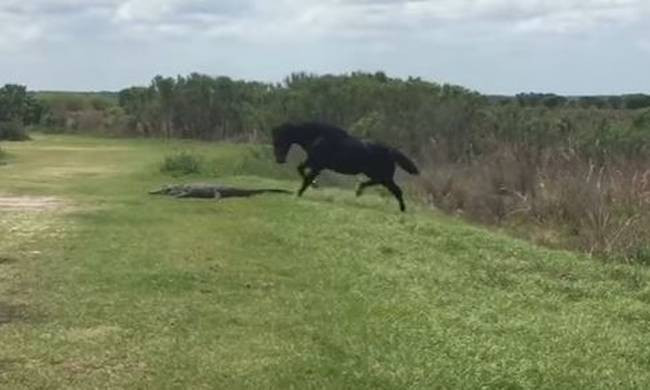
(601, 209)
(13, 131)
(100, 103)
(48, 129)
(182, 163)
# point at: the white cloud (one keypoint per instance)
(14, 35)
(63, 8)
(558, 16)
(303, 19)
(644, 44)
(16, 30)
(135, 10)
(452, 38)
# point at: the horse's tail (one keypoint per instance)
(404, 162)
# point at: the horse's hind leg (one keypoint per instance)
(365, 184)
(397, 192)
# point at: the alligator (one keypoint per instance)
(212, 191)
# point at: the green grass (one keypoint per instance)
(118, 289)
(3, 157)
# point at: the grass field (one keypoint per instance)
(105, 287)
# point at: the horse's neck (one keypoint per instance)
(303, 137)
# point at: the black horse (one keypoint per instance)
(330, 147)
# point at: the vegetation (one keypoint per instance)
(80, 112)
(568, 172)
(551, 100)
(568, 169)
(115, 289)
(17, 109)
(182, 163)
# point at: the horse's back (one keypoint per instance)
(327, 130)
(347, 154)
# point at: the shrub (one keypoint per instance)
(13, 131)
(601, 209)
(182, 163)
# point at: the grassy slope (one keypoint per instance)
(121, 290)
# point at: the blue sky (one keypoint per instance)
(493, 46)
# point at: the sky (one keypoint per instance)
(568, 47)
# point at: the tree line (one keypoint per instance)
(17, 110)
(412, 113)
(372, 104)
(551, 100)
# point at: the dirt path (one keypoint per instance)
(29, 203)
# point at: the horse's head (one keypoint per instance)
(281, 143)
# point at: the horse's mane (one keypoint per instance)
(322, 129)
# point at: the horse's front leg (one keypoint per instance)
(308, 179)
(301, 172)
(301, 169)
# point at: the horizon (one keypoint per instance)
(146, 84)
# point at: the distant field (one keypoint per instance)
(105, 287)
